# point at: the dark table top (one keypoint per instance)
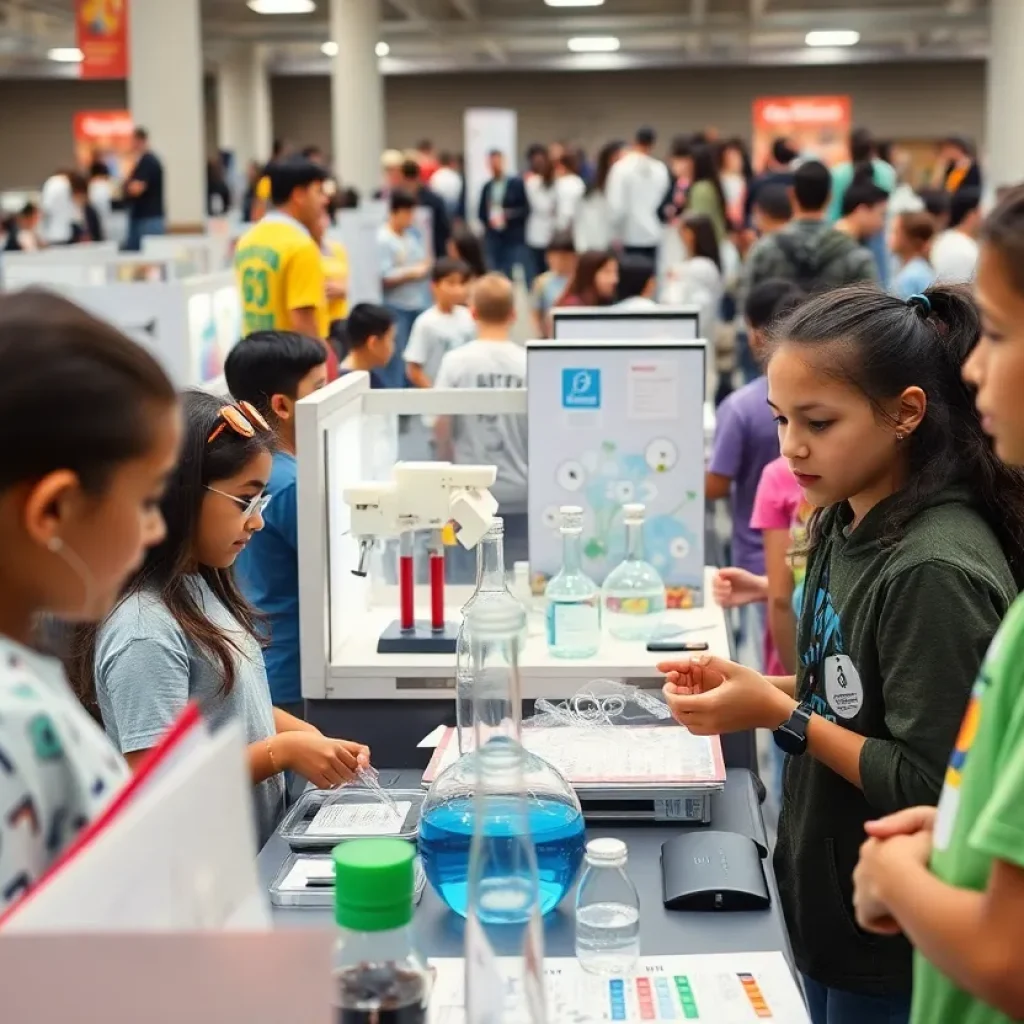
(662, 932)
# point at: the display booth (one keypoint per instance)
(348, 433)
(201, 254)
(189, 322)
(57, 266)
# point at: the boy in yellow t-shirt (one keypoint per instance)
(278, 263)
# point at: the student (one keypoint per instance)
(404, 271)
(778, 172)
(706, 196)
(551, 285)
(638, 283)
(334, 261)
(592, 228)
(79, 505)
(594, 282)
(911, 242)
(772, 210)
(809, 251)
(951, 879)
(697, 280)
(491, 361)
(184, 632)
(955, 252)
(542, 197)
(637, 185)
(277, 262)
(272, 370)
(863, 211)
(440, 223)
(370, 336)
(144, 193)
(447, 325)
(912, 564)
(23, 230)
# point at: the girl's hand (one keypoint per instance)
(325, 762)
(733, 587)
(903, 823)
(882, 863)
(711, 696)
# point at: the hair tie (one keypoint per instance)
(921, 302)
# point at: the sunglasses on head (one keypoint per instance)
(244, 419)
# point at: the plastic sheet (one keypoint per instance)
(603, 703)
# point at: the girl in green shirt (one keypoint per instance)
(952, 879)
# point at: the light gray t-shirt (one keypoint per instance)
(147, 670)
(498, 440)
(396, 252)
(434, 334)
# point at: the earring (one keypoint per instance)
(55, 544)
(900, 436)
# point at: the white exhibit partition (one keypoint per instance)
(347, 433)
(613, 423)
(606, 323)
(205, 254)
(57, 267)
(190, 324)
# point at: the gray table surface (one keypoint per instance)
(662, 932)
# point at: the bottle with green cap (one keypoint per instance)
(379, 975)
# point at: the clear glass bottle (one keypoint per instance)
(530, 811)
(633, 595)
(379, 974)
(491, 589)
(572, 597)
(607, 911)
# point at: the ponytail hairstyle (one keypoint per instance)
(168, 567)
(882, 345)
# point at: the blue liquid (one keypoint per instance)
(559, 836)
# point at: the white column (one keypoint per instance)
(243, 106)
(165, 94)
(357, 94)
(1004, 140)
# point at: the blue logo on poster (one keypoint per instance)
(581, 389)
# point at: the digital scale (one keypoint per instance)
(638, 804)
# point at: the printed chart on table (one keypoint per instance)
(727, 988)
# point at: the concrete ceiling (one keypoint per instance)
(455, 35)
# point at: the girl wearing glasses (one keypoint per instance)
(184, 632)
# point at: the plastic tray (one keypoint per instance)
(295, 829)
(289, 890)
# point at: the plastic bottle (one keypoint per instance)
(607, 911)
(633, 596)
(572, 597)
(492, 590)
(378, 972)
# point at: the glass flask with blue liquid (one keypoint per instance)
(513, 808)
(634, 592)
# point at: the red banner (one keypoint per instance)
(103, 38)
(104, 135)
(815, 126)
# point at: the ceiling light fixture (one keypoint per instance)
(832, 37)
(594, 44)
(65, 54)
(329, 49)
(282, 6)
(574, 3)
(382, 49)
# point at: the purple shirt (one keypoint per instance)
(746, 440)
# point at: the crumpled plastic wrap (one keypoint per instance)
(600, 704)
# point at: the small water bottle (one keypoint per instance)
(607, 911)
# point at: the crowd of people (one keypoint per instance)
(869, 440)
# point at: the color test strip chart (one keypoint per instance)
(672, 998)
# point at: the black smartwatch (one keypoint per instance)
(791, 736)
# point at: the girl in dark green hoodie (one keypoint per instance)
(915, 557)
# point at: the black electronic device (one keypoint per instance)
(713, 871)
(677, 646)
